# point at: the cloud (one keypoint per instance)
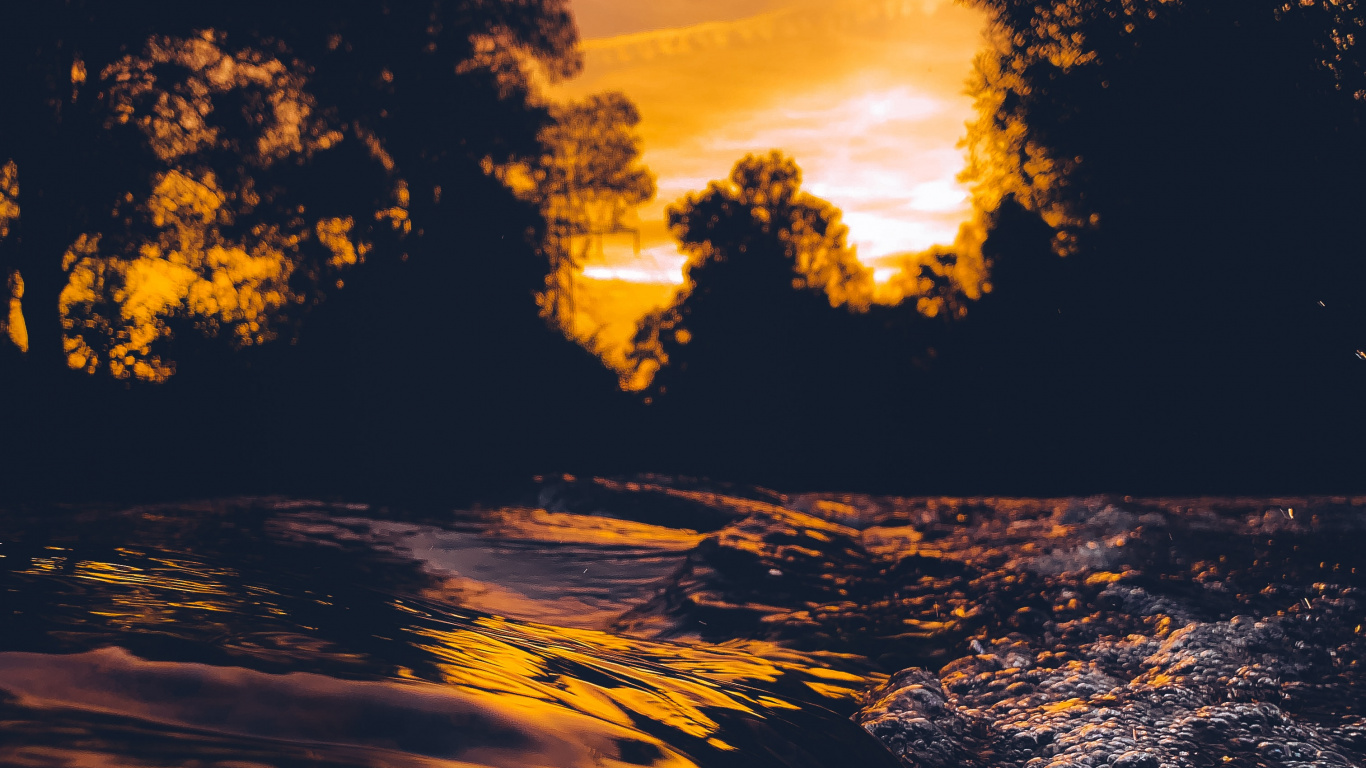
(787, 21)
(867, 95)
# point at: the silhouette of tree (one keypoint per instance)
(1198, 165)
(431, 362)
(756, 244)
(218, 239)
(186, 161)
(777, 363)
(586, 181)
(1197, 168)
(1193, 125)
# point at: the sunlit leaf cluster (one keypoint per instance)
(12, 320)
(115, 309)
(9, 196)
(214, 248)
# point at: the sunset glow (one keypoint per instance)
(867, 96)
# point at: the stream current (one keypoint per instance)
(650, 622)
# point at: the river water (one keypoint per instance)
(279, 632)
(595, 622)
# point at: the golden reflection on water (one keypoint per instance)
(563, 527)
(162, 590)
(309, 717)
(675, 685)
(572, 685)
(736, 504)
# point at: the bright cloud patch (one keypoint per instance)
(867, 95)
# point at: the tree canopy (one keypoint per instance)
(174, 172)
(1164, 276)
(1198, 166)
(1167, 196)
(757, 246)
(1193, 143)
(587, 180)
(174, 166)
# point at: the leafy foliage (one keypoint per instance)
(586, 182)
(184, 159)
(756, 245)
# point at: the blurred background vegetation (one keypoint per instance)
(263, 248)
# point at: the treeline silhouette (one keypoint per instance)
(1198, 335)
(1172, 194)
(1203, 333)
(430, 368)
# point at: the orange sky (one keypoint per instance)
(867, 96)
